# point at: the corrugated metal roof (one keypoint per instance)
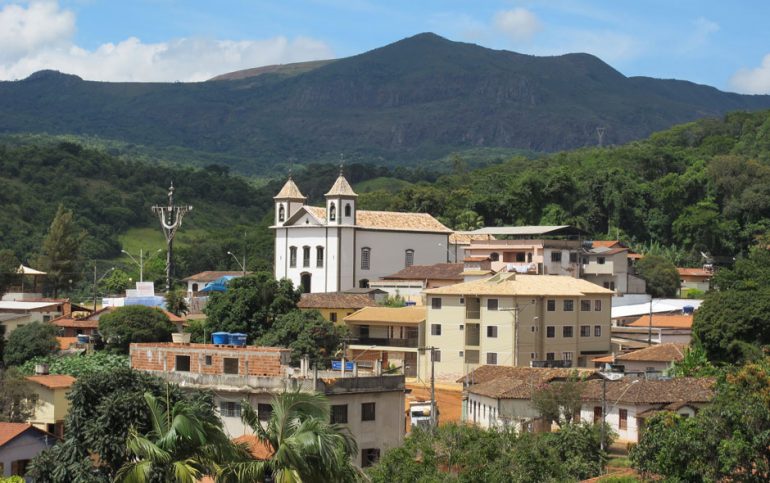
(19, 305)
(531, 230)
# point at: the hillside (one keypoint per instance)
(414, 100)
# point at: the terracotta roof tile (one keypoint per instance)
(290, 191)
(523, 285)
(403, 315)
(259, 449)
(504, 382)
(66, 342)
(694, 272)
(53, 381)
(9, 431)
(388, 220)
(438, 271)
(335, 300)
(211, 275)
(341, 187)
(655, 353)
(663, 320)
(641, 391)
(605, 243)
(461, 238)
(70, 323)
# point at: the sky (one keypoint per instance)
(715, 42)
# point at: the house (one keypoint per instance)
(370, 406)
(337, 247)
(610, 267)
(195, 283)
(630, 402)
(511, 319)
(502, 396)
(19, 443)
(459, 242)
(12, 321)
(35, 310)
(695, 279)
(625, 314)
(663, 328)
(653, 359)
(52, 404)
(89, 325)
(411, 281)
(374, 293)
(390, 334)
(335, 306)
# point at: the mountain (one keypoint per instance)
(414, 100)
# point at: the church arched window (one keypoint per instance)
(347, 209)
(281, 213)
(332, 212)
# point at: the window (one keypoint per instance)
(471, 357)
(369, 456)
(436, 356)
(597, 330)
(600, 260)
(230, 365)
(333, 316)
(533, 355)
(460, 354)
(347, 209)
(585, 331)
(573, 257)
(264, 411)
(46, 318)
(367, 411)
(492, 331)
(292, 257)
(566, 331)
(229, 409)
(533, 328)
(567, 356)
(208, 360)
(494, 256)
(549, 356)
(623, 418)
(366, 254)
(363, 283)
(305, 256)
(597, 414)
(182, 364)
(281, 213)
(409, 258)
(435, 329)
(569, 305)
(319, 257)
(462, 300)
(555, 256)
(585, 305)
(597, 305)
(332, 212)
(363, 331)
(492, 358)
(491, 304)
(606, 285)
(612, 285)
(462, 327)
(550, 332)
(435, 303)
(551, 304)
(339, 414)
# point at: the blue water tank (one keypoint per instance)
(220, 338)
(688, 309)
(237, 338)
(410, 304)
(83, 338)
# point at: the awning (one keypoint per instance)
(218, 285)
(28, 271)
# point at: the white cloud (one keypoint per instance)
(703, 28)
(47, 43)
(753, 81)
(518, 24)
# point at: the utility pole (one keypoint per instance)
(170, 220)
(649, 326)
(432, 350)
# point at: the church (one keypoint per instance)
(339, 247)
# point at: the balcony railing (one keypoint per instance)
(474, 314)
(411, 342)
(472, 334)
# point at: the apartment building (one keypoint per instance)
(612, 268)
(370, 406)
(516, 320)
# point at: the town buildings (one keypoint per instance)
(335, 306)
(516, 320)
(370, 406)
(698, 279)
(409, 282)
(19, 443)
(652, 360)
(52, 404)
(336, 247)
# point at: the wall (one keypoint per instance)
(23, 447)
(410, 290)
(11, 325)
(630, 434)
(52, 405)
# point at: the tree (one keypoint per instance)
(660, 274)
(101, 400)
(251, 304)
(186, 442)
(8, 266)
(176, 302)
(60, 255)
(31, 340)
(306, 332)
(559, 401)
(17, 401)
(116, 282)
(695, 363)
(134, 323)
(306, 447)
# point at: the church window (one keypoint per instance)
(292, 257)
(366, 254)
(281, 213)
(306, 256)
(409, 259)
(347, 209)
(332, 212)
(494, 256)
(319, 257)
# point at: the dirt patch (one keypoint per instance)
(449, 401)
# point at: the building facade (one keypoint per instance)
(516, 320)
(52, 404)
(337, 247)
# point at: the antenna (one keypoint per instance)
(600, 134)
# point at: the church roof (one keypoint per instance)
(290, 191)
(389, 220)
(341, 187)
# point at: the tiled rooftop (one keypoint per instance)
(523, 285)
(402, 315)
(438, 271)
(53, 381)
(335, 300)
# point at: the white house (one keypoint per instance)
(339, 247)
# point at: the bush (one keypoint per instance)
(134, 323)
(32, 340)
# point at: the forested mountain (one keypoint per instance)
(415, 100)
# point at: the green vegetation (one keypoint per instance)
(29, 341)
(134, 323)
(660, 275)
(60, 253)
(17, 401)
(306, 333)
(78, 365)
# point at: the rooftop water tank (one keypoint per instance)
(688, 309)
(237, 338)
(220, 338)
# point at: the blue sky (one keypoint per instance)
(724, 44)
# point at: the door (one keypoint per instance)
(305, 282)
(410, 364)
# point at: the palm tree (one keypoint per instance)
(306, 447)
(185, 444)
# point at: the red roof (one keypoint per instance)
(70, 323)
(66, 342)
(53, 381)
(662, 320)
(9, 431)
(438, 271)
(694, 272)
(605, 243)
(259, 449)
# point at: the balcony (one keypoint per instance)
(472, 335)
(411, 342)
(598, 269)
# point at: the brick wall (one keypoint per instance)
(210, 359)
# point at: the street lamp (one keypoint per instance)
(242, 265)
(97, 280)
(140, 263)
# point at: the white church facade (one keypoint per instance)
(339, 247)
